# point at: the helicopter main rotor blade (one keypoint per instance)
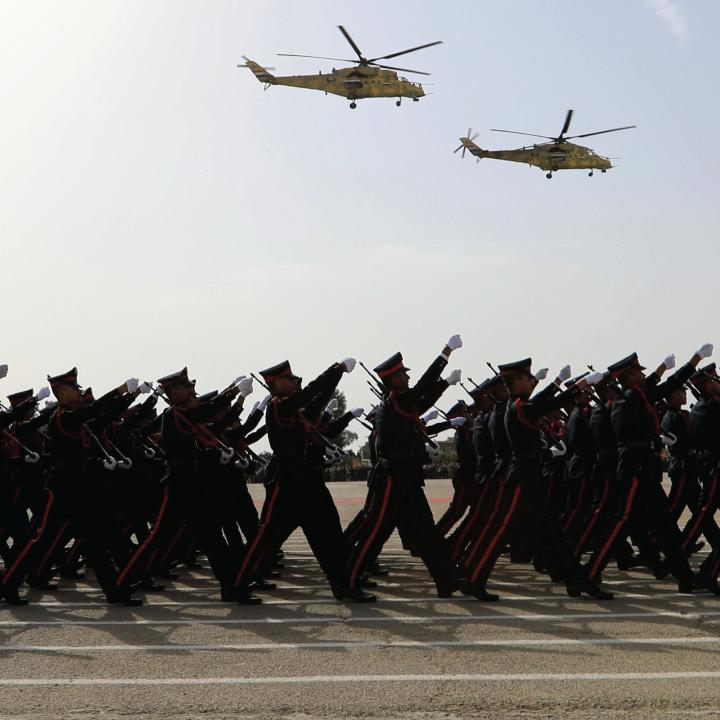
(602, 132)
(392, 67)
(316, 57)
(566, 126)
(351, 41)
(404, 52)
(515, 132)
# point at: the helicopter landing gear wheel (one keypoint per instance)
(549, 176)
(590, 174)
(398, 102)
(353, 105)
(603, 170)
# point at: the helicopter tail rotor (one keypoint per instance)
(260, 72)
(469, 138)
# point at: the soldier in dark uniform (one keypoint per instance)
(70, 494)
(397, 481)
(484, 455)
(642, 503)
(682, 465)
(524, 515)
(186, 498)
(294, 498)
(461, 417)
(705, 435)
(580, 462)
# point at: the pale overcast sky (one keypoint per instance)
(157, 208)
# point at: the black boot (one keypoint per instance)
(591, 588)
(375, 568)
(367, 583)
(123, 596)
(11, 596)
(478, 591)
(150, 586)
(261, 584)
(686, 586)
(703, 581)
(344, 594)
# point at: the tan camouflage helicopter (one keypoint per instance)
(369, 79)
(558, 154)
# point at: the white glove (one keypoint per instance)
(432, 450)
(331, 407)
(454, 377)
(144, 388)
(349, 364)
(558, 450)
(455, 342)
(429, 417)
(564, 373)
(541, 374)
(42, 393)
(668, 439)
(3, 371)
(132, 384)
(238, 379)
(264, 403)
(357, 412)
(704, 351)
(458, 422)
(594, 377)
(669, 362)
(245, 387)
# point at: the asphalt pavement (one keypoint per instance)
(650, 653)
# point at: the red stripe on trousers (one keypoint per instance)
(153, 533)
(34, 540)
(373, 534)
(710, 503)
(501, 531)
(593, 519)
(618, 526)
(260, 533)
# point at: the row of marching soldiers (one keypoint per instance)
(567, 477)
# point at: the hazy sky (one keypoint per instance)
(157, 208)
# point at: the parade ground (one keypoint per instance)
(650, 653)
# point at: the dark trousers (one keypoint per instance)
(642, 509)
(398, 501)
(291, 503)
(702, 521)
(66, 514)
(465, 490)
(685, 491)
(185, 510)
(523, 517)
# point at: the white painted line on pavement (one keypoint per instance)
(359, 644)
(372, 619)
(322, 679)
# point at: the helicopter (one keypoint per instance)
(368, 79)
(558, 154)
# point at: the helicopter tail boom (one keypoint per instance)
(259, 71)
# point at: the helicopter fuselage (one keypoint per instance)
(548, 156)
(353, 83)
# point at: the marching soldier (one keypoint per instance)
(398, 499)
(705, 434)
(69, 506)
(294, 499)
(642, 503)
(523, 515)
